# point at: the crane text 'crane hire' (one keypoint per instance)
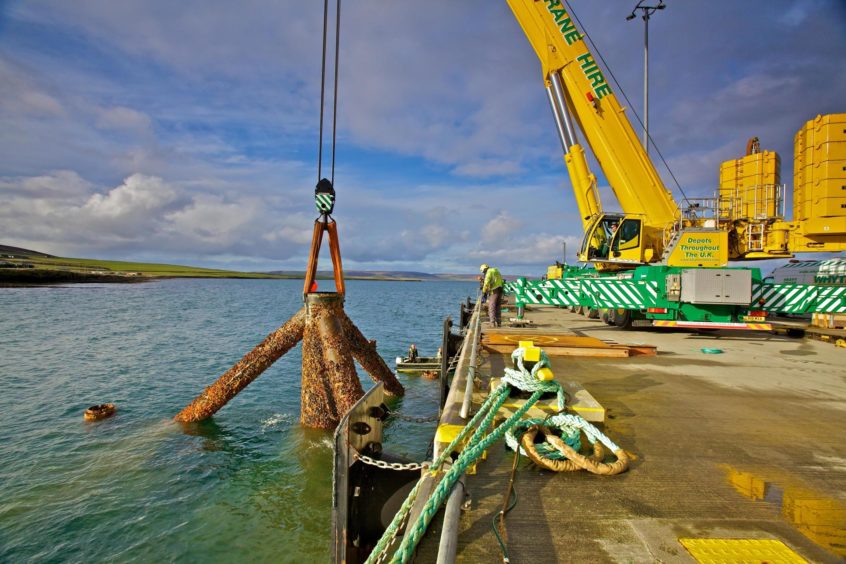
(592, 72)
(563, 21)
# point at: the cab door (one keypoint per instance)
(627, 241)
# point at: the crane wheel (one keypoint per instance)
(621, 318)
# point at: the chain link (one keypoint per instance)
(391, 465)
(413, 419)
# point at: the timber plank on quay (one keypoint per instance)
(747, 444)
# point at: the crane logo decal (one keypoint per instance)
(571, 35)
(594, 75)
(563, 21)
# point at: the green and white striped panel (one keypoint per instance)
(620, 294)
(830, 299)
(566, 290)
(566, 293)
(799, 298)
(783, 298)
(537, 292)
(323, 202)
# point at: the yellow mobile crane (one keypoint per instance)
(745, 221)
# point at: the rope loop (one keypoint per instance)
(559, 449)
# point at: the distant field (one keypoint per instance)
(30, 267)
(146, 269)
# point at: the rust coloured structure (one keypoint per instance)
(245, 370)
(330, 384)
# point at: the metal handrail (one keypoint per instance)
(474, 349)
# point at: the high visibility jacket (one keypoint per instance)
(493, 280)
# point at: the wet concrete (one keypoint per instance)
(744, 444)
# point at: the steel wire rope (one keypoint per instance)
(335, 94)
(323, 87)
(322, 90)
(626, 98)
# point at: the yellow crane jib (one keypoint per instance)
(581, 96)
(746, 218)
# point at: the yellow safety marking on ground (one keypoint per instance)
(740, 551)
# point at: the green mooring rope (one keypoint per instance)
(478, 443)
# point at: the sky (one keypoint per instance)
(187, 132)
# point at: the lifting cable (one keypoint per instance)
(323, 87)
(623, 92)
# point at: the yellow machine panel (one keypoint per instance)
(700, 248)
(554, 272)
(819, 189)
(749, 186)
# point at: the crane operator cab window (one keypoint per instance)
(626, 241)
(602, 237)
(614, 237)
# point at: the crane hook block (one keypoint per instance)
(324, 196)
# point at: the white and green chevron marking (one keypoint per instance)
(620, 294)
(799, 298)
(615, 293)
(323, 202)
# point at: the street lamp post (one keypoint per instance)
(647, 12)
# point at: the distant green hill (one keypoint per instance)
(23, 266)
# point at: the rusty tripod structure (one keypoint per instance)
(330, 384)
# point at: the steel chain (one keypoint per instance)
(391, 465)
(413, 419)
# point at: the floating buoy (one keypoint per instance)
(97, 412)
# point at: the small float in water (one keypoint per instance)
(98, 412)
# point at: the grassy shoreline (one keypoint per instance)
(41, 271)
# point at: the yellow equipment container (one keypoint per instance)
(819, 189)
(749, 187)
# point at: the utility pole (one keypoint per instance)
(647, 12)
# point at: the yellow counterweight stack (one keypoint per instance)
(749, 187)
(819, 189)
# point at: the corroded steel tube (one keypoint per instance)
(317, 403)
(337, 360)
(245, 370)
(365, 353)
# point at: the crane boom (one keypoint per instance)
(588, 97)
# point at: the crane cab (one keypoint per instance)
(614, 238)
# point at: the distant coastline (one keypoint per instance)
(24, 267)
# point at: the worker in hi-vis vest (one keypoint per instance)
(493, 287)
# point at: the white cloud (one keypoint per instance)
(209, 113)
(500, 227)
(139, 194)
(120, 117)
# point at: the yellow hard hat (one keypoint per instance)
(483, 268)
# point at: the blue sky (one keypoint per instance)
(186, 131)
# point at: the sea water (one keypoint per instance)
(248, 485)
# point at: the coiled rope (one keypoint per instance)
(523, 379)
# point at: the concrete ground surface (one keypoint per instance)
(745, 444)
